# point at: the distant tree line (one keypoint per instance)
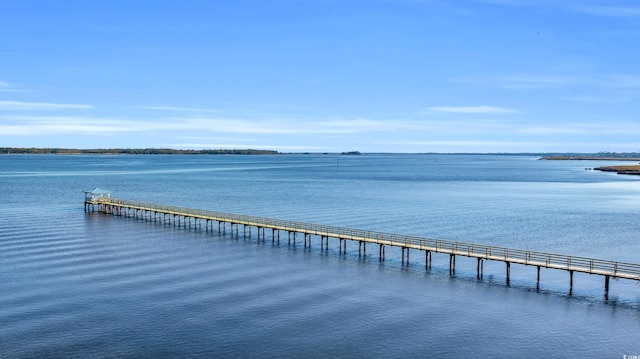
(134, 151)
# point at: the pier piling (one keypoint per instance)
(405, 250)
(192, 219)
(570, 282)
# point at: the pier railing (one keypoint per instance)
(509, 255)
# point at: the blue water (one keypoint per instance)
(91, 285)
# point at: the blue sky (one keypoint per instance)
(322, 75)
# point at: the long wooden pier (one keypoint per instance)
(195, 218)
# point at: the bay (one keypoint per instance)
(92, 285)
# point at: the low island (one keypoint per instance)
(604, 156)
(621, 170)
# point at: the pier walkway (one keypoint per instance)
(197, 217)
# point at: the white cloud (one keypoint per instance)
(472, 109)
(245, 146)
(221, 128)
(519, 3)
(21, 105)
(468, 135)
(610, 128)
(176, 109)
(73, 125)
(469, 143)
(226, 111)
(361, 125)
(624, 81)
(215, 138)
(8, 87)
(596, 99)
(288, 126)
(540, 81)
(535, 81)
(611, 11)
(47, 125)
(243, 126)
(16, 130)
(24, 125)
(338, 126)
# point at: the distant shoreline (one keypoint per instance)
(604, 156)
(132, 151)
(590, 158)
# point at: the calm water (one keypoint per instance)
(90, 285)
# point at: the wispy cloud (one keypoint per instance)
(177, 109)
(462, 133)
(611, 11)
(48, 125)
(524, 81)
(597, 10)
(624, 80)
(202, 111)
(537, 81)
(518, 3)
(244, 146)
(20, 105)
(473, 109)
(287, 126)
(215, 138)
(35, 125)
(471, 145)
(338, 126)
(208, 129)
(9, 87)
(607, 128)
(596, 99)
(500, 2)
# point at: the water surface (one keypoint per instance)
(82, 285)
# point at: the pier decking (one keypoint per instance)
(196, 217)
